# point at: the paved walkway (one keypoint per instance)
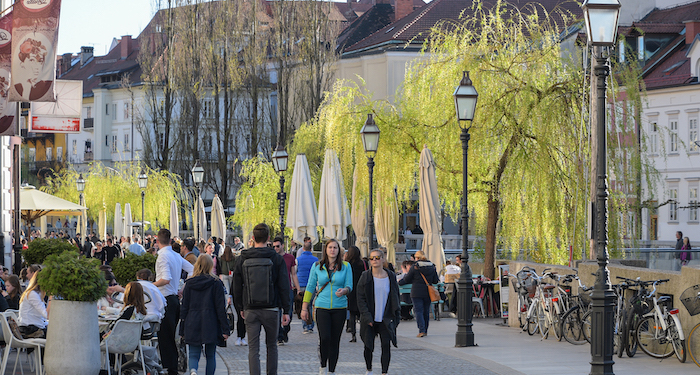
(500, 350)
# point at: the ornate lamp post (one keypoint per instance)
(601, 27)
(279, 160)
(197, 178)
(465, 104)
(143, 183)
(370, 141)
(80, 186)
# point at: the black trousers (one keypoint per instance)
(378, 328)
(166, 335)
(330, 324)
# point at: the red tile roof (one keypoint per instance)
(674, 70)
(678, 14)
(638, 28)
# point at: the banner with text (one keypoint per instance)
(34, 40)
(8, 110)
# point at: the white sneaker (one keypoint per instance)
(244, 342)
(322, 371)
(238, 342)
(369, 372)
(193, 372)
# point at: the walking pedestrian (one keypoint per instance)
(685, 251)
(289, 261)
(305, 260)
(358, 266)
(333, 278)
(203, 315)
(380, 309)
(421, 272)
(261, 293)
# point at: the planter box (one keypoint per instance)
(72, 340)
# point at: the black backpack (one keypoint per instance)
(257, 276)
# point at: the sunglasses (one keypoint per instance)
(375, 258)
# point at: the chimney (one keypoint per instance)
(692, 28)
(402, 9)
(85, 54)
(65, 62)
(125, 46)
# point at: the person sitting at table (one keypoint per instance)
(33, 315)
(134, 306)
(14, 290)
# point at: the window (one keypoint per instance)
(107, 109)
(114, 143)
(114, 111)
(653, 138)
(88, 146)
(207, 110)
(693, 203)
(59, 153)
(32, 154)
(126, 111)
(75, 147)
(674, 136)
(126, 142)
(49, 154)
(673, 204)
(88, 112)
(693, 134)
(106, 140)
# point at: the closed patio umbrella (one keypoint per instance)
(218, 218)
(118, 222)
(430, 210)
(102, 224)
(302, 216)
(201, 225)
(174, 220)
(359, 216)
(387, 223)
(128, 228)
(333, 213)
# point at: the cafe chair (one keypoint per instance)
(15, 340)
(124, 338)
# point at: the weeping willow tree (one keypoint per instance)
(106, 186)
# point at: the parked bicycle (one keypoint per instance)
(691, 300)
(659, 333)
(572, 322)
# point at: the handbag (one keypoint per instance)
(432, 291)
(313, 310)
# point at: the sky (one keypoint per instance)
(96, 22)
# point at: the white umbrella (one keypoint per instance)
(102, 224)
(333, 213)
(387, 223)
(359, 216)
(128, 229)
(34, 204)
(118, 222)
(302, 216)
(430, 210)
(200, 227)
(218, 218)
(174, 220)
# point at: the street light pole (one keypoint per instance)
(465, 104)
(143, 183)
(601, 18)
(370, 141)
(279, 161)
(197, 178)
(80, 186)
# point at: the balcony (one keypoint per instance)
(88, 156)
(35, 136)
(88, 123)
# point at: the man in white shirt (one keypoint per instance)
(156, 306)
(169, 266)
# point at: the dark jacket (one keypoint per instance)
(280, 279)
(203, 311)
(365, 304)
(358, 267)
(413, 277)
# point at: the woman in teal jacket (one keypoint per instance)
(332, 279)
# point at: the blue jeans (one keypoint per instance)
(209, 353)
(310, 326)
(421, 307)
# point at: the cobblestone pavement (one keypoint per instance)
(300, 356)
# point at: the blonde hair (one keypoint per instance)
(33, 285)
(420, 255)
(203, 265)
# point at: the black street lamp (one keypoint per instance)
(197, 178)
(143, 183)
(279, 160)
(370, 141)
(80, 186)
(601, 18)
(465, 104)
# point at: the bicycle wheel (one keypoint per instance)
(522, 311)
(571, 326)
(556, 323)
(693, 344)
(631, 347)
(652, 339)
(673, 334)
(624, 334)
(543, 321)
(532, 321)
(586, 325)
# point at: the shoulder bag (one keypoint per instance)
(313, 302)
(432, 291)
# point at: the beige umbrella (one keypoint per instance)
(201, 221)
(386, 223)
(128, 230)
(359, 216)
(102, 224)
(333, 213)
(118, 222)
(174, 220)
(34, 204)
(302, 216)
(218, 218)
(430, 210)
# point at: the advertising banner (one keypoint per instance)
(63, 115)
(8, 110)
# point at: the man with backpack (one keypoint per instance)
(261, 292)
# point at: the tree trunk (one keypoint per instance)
(490, 251)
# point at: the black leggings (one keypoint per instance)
(380, 329)
(330, 324)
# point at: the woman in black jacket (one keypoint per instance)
(203, 314)
(358, 267)
(380, 309)
(422, 271)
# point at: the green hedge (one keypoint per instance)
(40, 249)
(125, 269)
(72, 277)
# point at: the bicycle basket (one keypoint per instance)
(527, 281)
(640, 305)
(585, 296)
(691, 300)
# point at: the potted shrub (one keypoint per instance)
(125, 269)
(76, 283)
(41, 248)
